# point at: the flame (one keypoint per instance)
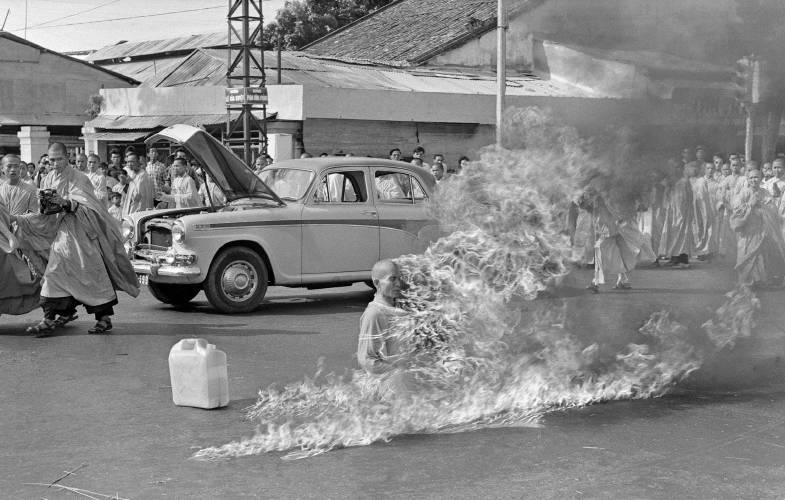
(479, 352)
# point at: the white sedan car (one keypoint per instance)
(314, 223)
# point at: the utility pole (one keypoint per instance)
(251, 94)
(501, 68)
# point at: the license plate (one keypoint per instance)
(142, 279)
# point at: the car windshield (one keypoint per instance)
(287, 183)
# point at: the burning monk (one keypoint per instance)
(376, 351)
(761, 250)
(87, 261)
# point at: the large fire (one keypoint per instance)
(480, 351)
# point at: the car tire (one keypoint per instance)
(237, 281)
(174, 294)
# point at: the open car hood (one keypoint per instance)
(228, 171)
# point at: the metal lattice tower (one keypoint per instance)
(245, 79)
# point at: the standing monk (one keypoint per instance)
(97, 178)
(87, 261)
(19, 197)
(141, 189)
(677, 239)
(761, 250)
(705, 191)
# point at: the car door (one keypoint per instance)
(340, 224)
(401, 199)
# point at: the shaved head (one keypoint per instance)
(383, 268)
(10, 158)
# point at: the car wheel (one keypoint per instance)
(176, 295)
(237, 281)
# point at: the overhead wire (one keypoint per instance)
(74, 14)
(126, 18)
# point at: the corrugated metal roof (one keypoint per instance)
(117, 136)
(126, 122)
(144, 71)
(208, 67)
(8, 36)
(152, 47)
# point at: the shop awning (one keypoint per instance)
(117, 136)
(148, 122)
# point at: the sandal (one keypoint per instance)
(44, 328)
(64, 320)
(622, 286)
(101, 326)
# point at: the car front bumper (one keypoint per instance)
(165, 273)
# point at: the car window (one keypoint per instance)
(418, 193)
(341, 187)
(287, 183)
(396, 187)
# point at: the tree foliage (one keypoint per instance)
(300, 22)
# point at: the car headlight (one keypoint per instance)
(178, 232)
(127, 229)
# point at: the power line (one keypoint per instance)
(74, 14)
(126, 18)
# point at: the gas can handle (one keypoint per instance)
(199, 345)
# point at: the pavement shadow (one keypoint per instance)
(309, 305)
(136, 329)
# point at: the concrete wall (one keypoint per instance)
(41, 88)
(286, 100)
(691, 28)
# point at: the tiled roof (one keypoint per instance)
(409, 32)
(171, 46)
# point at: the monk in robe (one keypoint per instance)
(19, 286)
(97, 178)
(583, 235)
(761, 249)
(678, 240)
(141, 188)
(19, 197)
(619, 247)
(87, 261)
(704, 190)
(725, 195)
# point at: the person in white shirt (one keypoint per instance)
(184, 192)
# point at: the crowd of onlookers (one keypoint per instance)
(130, 181)
(723, 208)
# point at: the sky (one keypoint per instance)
(73, 25)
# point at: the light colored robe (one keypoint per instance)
(20, 198)
(677, 229)
(619, 245)
(705, 195)
(19, 288)
(727, 237)
(761, 249)
(87, 260)
(98, 179)
(140, 195)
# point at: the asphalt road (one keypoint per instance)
(105, 401)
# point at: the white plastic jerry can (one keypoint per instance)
(199, 375)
